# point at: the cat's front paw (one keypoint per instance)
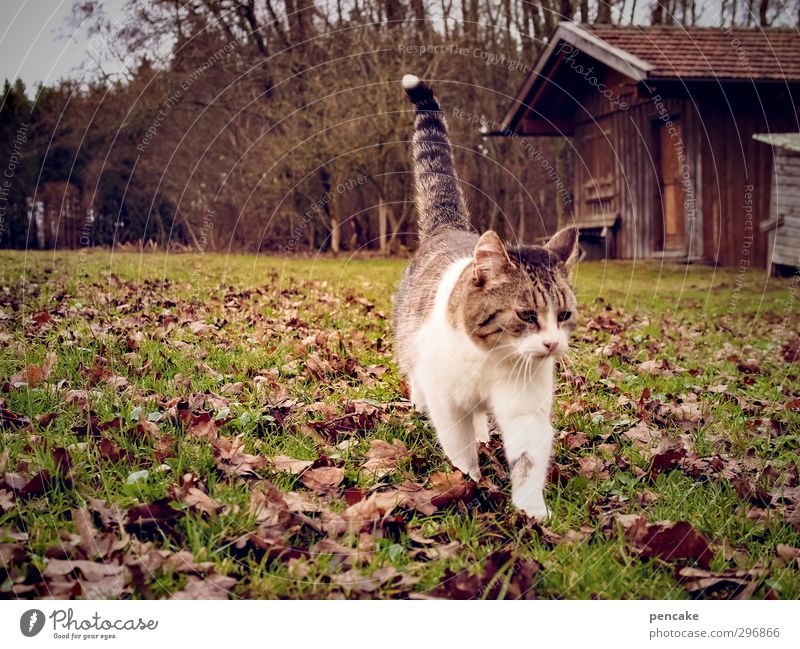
(539, 511)
(471, 470)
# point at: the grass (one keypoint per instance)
(229, 336)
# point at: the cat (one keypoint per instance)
(478, 324)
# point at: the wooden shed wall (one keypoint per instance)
(628, 179)
(595, 163)
(728, 174)
(616, 165)
(786, 207)
(737, 171)
(638, 182)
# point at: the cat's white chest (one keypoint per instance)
(446, 356)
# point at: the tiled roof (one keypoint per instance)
(692, 52)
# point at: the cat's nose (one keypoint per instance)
(550, 346)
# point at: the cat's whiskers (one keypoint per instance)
(516, 367)
(565, 361)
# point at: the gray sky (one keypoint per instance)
(38, 43)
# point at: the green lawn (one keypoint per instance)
(205, 426)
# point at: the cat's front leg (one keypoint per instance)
(417, 396)
(528, 442)
(480, 424)
(456, 435)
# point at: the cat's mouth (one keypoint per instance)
(536, 347)
(546, 353)
(514, 353)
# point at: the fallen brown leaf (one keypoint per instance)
(192, 492)
(355, 581)
(158, 514)
(325, 478)
(643, 433)
(382, 457)
(232, 459)
(203, 426)
(488, 584)
(34, 375)
(91, 570)
(449, 488)
(727, 584)
(593, 467)
(211, 587)
(788, 553)
(368, 513)
(269, 506)
(669, 540)
(93, 543)
(288, 464)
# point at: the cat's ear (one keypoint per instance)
(564, 244)
(490, 257)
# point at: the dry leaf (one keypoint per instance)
(192, 493)
(232, 459)
(324, 478)
(289, 464)
(211, 587)
(382, 457)
(34, 375)
(727, 584)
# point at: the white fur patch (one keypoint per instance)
(410, 81)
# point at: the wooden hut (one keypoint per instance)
(661, 123)
(783, 225)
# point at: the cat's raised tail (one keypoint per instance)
(438, 196)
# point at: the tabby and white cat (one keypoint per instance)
(478, 324)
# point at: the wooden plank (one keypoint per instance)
(787, 237)
(771, 224)
(787, 256)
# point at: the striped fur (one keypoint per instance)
(438, 196)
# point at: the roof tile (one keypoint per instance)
(694, 52)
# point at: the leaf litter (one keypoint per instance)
(356, 505)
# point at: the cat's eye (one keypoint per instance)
(564, 316)
(528, 316)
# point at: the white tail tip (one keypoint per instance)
(410, 81)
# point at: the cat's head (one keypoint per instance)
(519, 301)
